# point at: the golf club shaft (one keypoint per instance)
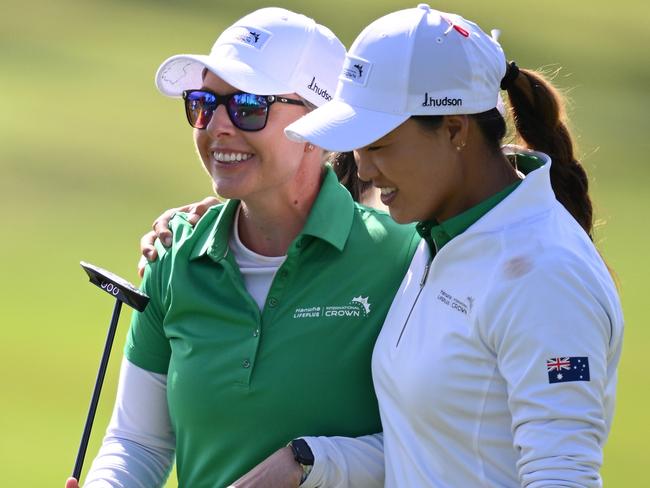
(97, 390)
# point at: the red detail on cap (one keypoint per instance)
(456, 27)
(460, 30)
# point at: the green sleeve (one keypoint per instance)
(146, 344)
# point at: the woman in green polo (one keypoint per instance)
(267, 310)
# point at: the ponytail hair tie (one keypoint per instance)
(512, 71)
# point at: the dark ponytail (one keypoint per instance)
(345, 167)
(538, 112)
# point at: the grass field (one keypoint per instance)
(90, 153)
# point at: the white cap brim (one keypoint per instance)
(185, 72)
(339, 126)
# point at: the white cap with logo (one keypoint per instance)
(270, 51)
(417, 61)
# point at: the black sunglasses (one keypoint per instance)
(247, 111)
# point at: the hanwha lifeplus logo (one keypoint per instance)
(358, 307)
(463, 306)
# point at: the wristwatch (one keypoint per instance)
(303, 456)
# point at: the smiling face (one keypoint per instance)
(418, 170)
(250, 165)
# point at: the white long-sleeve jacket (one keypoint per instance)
(496, 365)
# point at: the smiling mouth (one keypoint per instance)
(387, 194)
(230, 157)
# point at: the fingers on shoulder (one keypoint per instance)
(198, 209)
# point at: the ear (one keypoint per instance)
(456, 128)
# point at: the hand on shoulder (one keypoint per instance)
(160, 229)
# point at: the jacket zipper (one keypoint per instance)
(423, 281)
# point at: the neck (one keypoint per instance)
(483, 174)
(269, 224)
(491, 175)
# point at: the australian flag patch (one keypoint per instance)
(561, 370)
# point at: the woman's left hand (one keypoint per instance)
(279, 470)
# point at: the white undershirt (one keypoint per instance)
(258, 271)
(138, 448)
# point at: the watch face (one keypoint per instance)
(302, 452)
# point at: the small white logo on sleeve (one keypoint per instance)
(250, 36)
(356, 70)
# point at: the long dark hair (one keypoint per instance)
(345, 168)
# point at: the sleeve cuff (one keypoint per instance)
(317, 475)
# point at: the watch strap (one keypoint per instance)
(303, 455)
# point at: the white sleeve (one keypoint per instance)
(559, 425)
(138, 449)
(341, 462)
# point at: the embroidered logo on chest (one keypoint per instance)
(358, 307)
(463, 306)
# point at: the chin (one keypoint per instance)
(226, 192)
(401, 217)
(230, 188)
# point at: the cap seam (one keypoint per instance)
(305, 49)
(412, 38)
(472, 65)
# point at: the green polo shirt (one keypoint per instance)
(243, 382)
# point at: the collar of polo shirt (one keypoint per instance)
(330, 219)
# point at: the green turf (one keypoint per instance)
(90, 153)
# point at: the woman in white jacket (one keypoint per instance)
(496, 365)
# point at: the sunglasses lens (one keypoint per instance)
(199, 107)
(248, 111)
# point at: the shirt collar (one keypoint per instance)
(437, 234)
(215, 244)
(330, 220)
(331, 216)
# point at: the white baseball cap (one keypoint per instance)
(270, 51)
(417, 61)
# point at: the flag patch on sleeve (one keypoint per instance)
(561, 370)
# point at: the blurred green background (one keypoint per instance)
(90, 153)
